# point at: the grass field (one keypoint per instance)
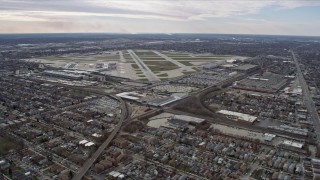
(145, 53)
(180, 57)
(89, 58)
(201, 59)
(214, 56)
(188, 72)
(134, 66)
(5, 145)
(196, 69)
(154, 59)
(187, 63)
(161, 65)
(163, 75)
(164, 79)
(175, 54)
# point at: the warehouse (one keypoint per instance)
(65, 75)
(130, 95)
(183, 119)
(239, 116)
(293, 144)
(267, 83)
(246, 68)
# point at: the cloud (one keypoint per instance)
(148, 15)
(148, 9)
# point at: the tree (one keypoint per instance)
(10, 172)
(318, 151)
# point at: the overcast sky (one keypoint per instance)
(283, 17)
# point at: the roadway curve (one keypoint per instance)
(312, 110)
(86, 166)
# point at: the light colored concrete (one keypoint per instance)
(143, 67)
(122, 59)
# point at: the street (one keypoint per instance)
(86, 166)
(307, 98)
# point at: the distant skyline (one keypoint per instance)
(282, 17)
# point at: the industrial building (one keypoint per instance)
(292, 144)
(269, 137)
(246, 68)
(267, 83)
(164, 101)
(130, 95)
(65, 75)
(105, 66)
(183, 119)
(239, 116)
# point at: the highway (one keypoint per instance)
(307, 98)
(86, 166)
(144, 68)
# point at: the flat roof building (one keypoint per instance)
(130, 95)
(187, 119)
(61, 74)
(269, 137)
(246, 68)
(293, 144)
(239, 116)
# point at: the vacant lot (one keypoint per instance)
(5, 145)
(145, 53)
(199, 58)
(152, 59)
(187, 63)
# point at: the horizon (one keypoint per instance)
(266, 17)
(169, 34)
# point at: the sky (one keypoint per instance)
(277, 17)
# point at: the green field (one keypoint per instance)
(213, 56)
(135, 66)
(161, 65)
(88, 58)
(187, 63)
(163, 75)
(175, 54)
(164, 79)
(188, 72)
(5, 145)
(154, 59)
(196, 69)
(180, 57)
(145, 53)
(200, 59)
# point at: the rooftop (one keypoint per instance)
(188, 118)
(241, 116)
(293, 144)
(245, 67)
